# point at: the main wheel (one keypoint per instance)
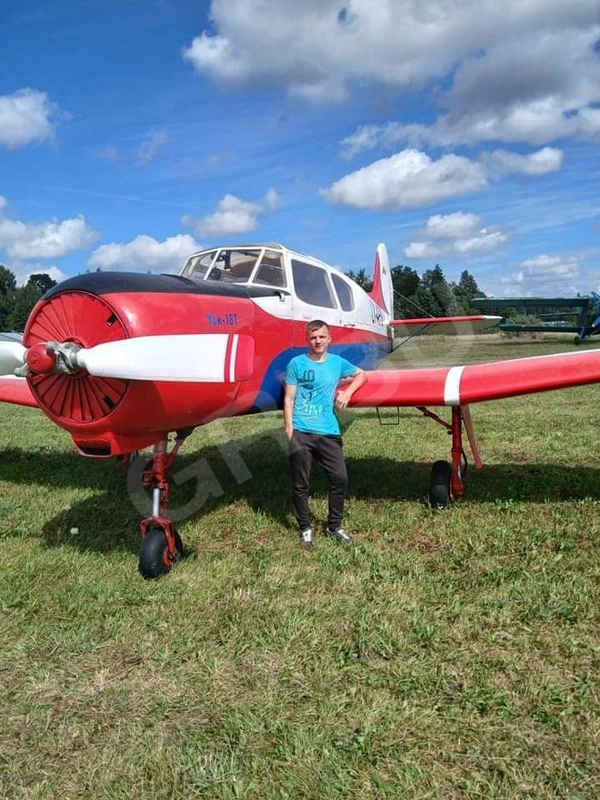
(439, 491)
(577, 339)
(154, 557)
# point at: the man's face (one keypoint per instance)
(318, 340)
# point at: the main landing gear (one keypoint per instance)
(161, 545)
(446, 481)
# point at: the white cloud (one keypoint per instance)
(422, 250)
(233, 216)
(544, 275)
(537, 122)
(407, 180)
(502, 162)
(27, 116)
(271, 201)
(450, 226)
(411, 178)
(534, 87)
(486, 241)
(317, 48)
(50, 239)
(456, 234)
(145, 254)
(552, 267)
(151, 146)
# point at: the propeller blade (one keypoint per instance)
(12, 355)
(207, 357)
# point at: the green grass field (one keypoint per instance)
(450, 654)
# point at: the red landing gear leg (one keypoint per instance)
(456, 483)
(447, 478)
(161, 545)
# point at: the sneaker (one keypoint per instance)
(306, 538)
(339, 534)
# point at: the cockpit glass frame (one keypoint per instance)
(261, 266)
(198, 265)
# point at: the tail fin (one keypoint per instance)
(382, 292)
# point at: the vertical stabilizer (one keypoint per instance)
(382, 292)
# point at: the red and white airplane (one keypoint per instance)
(123, 360)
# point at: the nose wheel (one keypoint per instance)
(156, 556)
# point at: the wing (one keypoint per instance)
(17, 391)
(476, 383)
(529, 303)
(472, 324)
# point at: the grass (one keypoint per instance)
(448, 655)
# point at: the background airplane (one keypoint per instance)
(579, 315)
(124, 360)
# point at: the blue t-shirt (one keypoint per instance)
(316, 383)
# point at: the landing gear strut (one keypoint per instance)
(161, 545)
(446, 482)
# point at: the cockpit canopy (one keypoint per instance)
(261, 266)
(310, 281)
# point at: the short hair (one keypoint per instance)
(315, 324)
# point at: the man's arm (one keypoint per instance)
(343, 396)
(288, 406)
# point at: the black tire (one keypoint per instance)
(439, 492)
(577, 339)
(154, 560)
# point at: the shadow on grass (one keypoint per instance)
(255, 469)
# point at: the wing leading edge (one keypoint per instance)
(477, 383)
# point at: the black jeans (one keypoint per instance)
(327, 451)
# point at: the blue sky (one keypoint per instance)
(460, 132)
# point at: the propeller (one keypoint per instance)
(204, 357)
(12, 356)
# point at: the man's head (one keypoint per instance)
(318, 336)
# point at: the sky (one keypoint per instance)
(464, 133)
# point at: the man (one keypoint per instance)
(312, 429)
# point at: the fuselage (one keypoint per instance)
(266, 293)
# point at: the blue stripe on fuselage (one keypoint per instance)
(365, 355)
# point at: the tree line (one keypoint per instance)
(427, 295)
(415, 295)
(16, 302)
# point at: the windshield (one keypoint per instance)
(233, 266)
(197, 266)
(237, 265)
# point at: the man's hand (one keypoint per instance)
(342, 399)
(343, 396)
(289, 432)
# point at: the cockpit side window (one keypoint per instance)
(344, 292)
(270, 271)
(312, 285)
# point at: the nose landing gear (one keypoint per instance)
(161, 545)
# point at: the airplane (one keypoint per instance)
(584, 317)
(121, 361)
